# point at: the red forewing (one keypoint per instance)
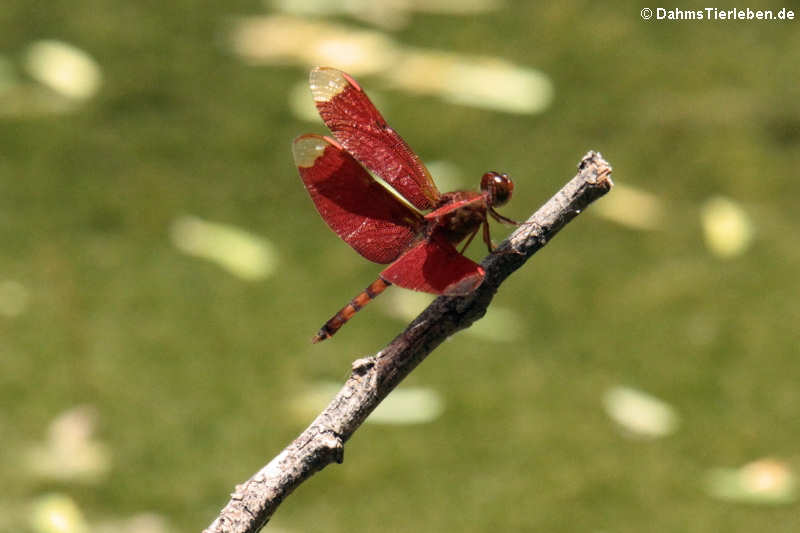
(360, 210)
(361, 129)
(435, 266)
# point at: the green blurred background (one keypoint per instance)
(191, 378)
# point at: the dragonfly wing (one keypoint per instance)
(365, 214)
(435, 266)
(360, 128)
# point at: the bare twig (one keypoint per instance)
(372, 378)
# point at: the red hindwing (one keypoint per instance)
(435, 266)
(366, 215)
(363, 132)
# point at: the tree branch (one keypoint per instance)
(373, 378)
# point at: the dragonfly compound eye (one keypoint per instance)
(499, 186)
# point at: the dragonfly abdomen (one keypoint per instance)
(354, 306)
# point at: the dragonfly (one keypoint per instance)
(416, 235)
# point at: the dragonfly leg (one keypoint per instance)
(472, 236)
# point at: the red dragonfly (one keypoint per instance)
(373, 220)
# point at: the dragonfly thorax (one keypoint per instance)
(459, 214)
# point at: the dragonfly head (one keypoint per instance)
(498, 186)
